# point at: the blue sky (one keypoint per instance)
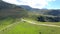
(54, 5)
(49, 4)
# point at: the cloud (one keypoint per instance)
(51, 0)
(33, 3)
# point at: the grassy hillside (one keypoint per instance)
(7, 9)
(26, 28)
(6, 21)
(10, 20)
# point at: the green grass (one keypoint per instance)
(53, 23)
(27, 28)
(6, 22)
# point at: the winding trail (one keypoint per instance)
(41, 24)
(22, 20)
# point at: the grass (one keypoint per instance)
(53, 23)
(6, 22)
(27, 28)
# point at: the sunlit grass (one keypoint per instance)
(6, 22)
(27, 28)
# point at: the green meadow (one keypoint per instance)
(27, 28)
(6, 21)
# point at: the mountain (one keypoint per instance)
(7, 9)
(5, 5)
(53, 12)
(29, 8)
(26, 7)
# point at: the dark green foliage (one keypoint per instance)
(41, 18)
(39, 32)
(48, 19)
(52, 19)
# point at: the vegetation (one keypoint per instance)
(10, 13)
(26, 28)
(49, 18)
(6, 21)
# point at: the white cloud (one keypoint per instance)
(33, 3)
(51, 0)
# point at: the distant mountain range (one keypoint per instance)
(7, 9)
(29, 8)
(53, 12)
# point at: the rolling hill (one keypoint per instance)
(7, 9)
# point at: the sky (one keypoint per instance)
(48, 4)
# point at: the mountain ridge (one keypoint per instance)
(7, 9)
